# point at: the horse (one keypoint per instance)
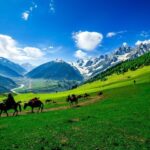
(79, 96)
(4, 107)
(72, 99)
(86, 95)
(100, 93)
(48, 101)
(34, 103)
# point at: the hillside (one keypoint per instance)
(10, 69)
(119, 120)
(89, 67)
(55, 70)
(123, 67)
(6, 84)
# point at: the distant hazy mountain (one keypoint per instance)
(10, 69)
(56, 70)
(6, 84)
(27, 66)
(92, 66)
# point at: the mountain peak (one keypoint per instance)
(93, 66)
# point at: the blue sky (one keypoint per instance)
(37, 31)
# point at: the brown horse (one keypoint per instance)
(4, 107)
(34, 103)
(72, 99)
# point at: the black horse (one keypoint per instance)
(86, 95)
(72, 99)
(34, 103)
(4, 107)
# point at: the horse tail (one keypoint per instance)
(19, 107)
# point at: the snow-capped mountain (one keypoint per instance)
(91, 66)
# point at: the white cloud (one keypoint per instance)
(25, 15)
(87, 41)
(51, 6)
(80, 54)
(10, 49)
(112, 34)
(52, 49)
(142, 42)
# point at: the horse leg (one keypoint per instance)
(16, 112)
(77, 102)
(1, 113)
(6, 113)
(39, 109)
(32, 110)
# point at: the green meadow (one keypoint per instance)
(117, 121)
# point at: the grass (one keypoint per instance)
(119, 121)
(141, 75)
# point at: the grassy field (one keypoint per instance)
(42, 85)
(114, 81)
(118, 121)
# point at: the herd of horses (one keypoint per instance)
(37, 103)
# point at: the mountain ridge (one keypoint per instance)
(93, 66)
(56, 70)
(10, 69)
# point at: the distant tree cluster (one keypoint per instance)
(123, 67)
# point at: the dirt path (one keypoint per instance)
(85, 103)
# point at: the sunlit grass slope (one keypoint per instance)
(141, 75)
(119, 121)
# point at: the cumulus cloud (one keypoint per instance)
(26, 14)
(10, 49)
(80, 54)
(86, 40)
(112, 34)
(142, 42)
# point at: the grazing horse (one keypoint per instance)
(48, 101)
(72, 99)
(34, 103)
(86, 95)
(79, 96)
(4, 107)
(100, 93)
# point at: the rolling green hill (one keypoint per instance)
(118, 120)
(141, 75)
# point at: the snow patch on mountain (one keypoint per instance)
(91, 66)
